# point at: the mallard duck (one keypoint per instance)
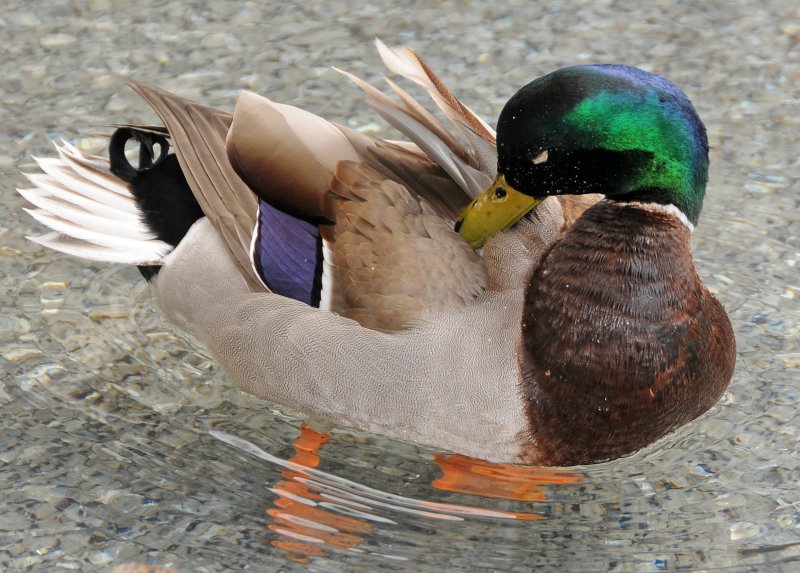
(464, 292)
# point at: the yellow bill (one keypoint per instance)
(494, 210)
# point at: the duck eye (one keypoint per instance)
(539, 157)
(499, 193)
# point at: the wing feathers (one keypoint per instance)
(127, 228)
(385, 208)
(480, 136)
(471, 167)
(286, 154)
(394, 258)
(198, 134)
(83, 195)
(68, 178)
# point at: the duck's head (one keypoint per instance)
(620, 131)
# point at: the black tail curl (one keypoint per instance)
(158, 185)
(148, 138)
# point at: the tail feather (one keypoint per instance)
(46, 186)
(71, 180)
(92, 168)
(83, 216)
(138, 255)
(93, 214)
(80, 231)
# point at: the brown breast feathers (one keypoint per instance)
(621, 342)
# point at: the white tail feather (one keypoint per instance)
(49, 187)
(93, 213)
(62, 172)
(84, 216)
(85, 250)
(91, 168)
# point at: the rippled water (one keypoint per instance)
(122, 441)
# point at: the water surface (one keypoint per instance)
(121, 438)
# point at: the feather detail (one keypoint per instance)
(387, 239)
(91, 168)
(65, 210)
(428, 134)
(286, 154)
(67, 177)
(198, 135)
(93, 213)
(480, 136)
(471, 167)
(85, 196)
(149, 253)
(330, 296)
(407, 164)
(288, 255)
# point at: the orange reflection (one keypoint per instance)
(309, 528)
(462, 474)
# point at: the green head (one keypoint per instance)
(616, 130)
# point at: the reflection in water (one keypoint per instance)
(300, 513)
(316, 510)
(507, 481)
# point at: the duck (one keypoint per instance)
(524, 295)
